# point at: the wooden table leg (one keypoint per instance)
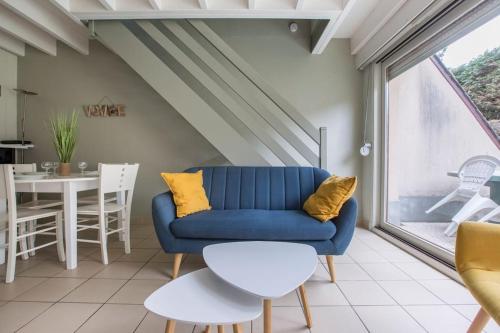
(207, 329)
(237, 328)
(220, 329)
(268, 325)
(70, 219)
(170, 326)
(305, 304)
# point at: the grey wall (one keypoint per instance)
(152, 133)
(8, 98)
(325, 88)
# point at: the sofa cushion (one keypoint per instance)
(253, 224)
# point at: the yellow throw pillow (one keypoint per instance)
(326, 202)
(188, 192)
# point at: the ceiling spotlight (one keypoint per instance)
(293, 26)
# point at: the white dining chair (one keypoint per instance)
(473, 174)
(34, 203)
(113, 178)
(15, 219)
(94, 199)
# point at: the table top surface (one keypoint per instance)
(201, 297)
(57, 179)
(265, 269)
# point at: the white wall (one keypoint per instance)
(326, 88)
(152, 133)
(8, 98)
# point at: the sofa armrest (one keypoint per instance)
(345, 223)
(163, 210)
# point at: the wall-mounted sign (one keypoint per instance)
(104, 110)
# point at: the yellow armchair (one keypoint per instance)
(477, 258)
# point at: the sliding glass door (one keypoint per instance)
(441, 113)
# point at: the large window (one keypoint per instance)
(440, 113)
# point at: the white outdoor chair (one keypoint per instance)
(473, 174)
(35, 203)
(113, 178)
(490, 215)
(15, 219)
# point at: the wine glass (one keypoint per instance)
(55, 165)
(82, 166)
(46, 166)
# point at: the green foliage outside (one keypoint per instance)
(480, 78)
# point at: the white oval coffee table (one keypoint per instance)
(201, 297)
(268, 270)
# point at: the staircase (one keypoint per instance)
(216, 91)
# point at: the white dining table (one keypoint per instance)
(68, 186)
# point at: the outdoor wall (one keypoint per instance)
(431, 132)
(8, 97)
(326, 88)
(152, 133)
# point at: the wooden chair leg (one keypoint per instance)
(177, 265)
(207, 329)
(268, 308)
(103, 238)
(60, 237)
(237, 328)
(479, 322)
(126, 232)
(331, 269)
(170, 327)
(32, 238)
(23, 242)
(11, 254)
(305, 304)
(220, 329)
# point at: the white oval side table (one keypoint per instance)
(201, 297)
(268, 270)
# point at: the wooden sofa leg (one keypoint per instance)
(177, 265)
(479, 322)
(331, 269)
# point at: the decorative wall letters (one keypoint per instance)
(104, 110)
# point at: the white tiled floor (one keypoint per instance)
(380, 288)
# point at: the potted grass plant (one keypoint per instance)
(64, 128)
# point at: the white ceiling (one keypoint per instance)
(41, 23)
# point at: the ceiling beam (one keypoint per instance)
(299, 5)
(26, 31)
(207, 14)
(65, 7)
(156, 4)
(203, 4)
(108, 4)
(11, 44)
(52, 21)
(321, 42)
(382, 13)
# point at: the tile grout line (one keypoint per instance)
(401, 305)
(349, 303)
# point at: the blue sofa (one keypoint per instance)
(254, 203)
